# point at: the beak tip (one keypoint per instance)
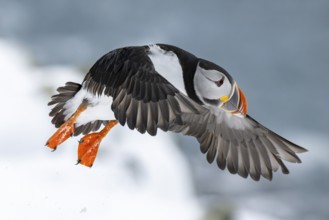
(243, 104)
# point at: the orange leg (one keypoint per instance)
(65, 130)
(89, 144)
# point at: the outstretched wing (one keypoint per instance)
(142, 98)
(242, 145)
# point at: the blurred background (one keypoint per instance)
(277, 51)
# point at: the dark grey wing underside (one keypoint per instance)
(148, 116)
(254, 150)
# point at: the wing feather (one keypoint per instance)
(244, 164)
(231, 157)
(243, 145)
(221, 158)
(213, 150)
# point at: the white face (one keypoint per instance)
(211, 84)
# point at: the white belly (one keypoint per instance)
(99, 107)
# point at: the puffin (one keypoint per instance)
(161, 86)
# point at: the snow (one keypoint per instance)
(134, 177)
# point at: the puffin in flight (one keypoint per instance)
(131, 86)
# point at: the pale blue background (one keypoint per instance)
(277, 51)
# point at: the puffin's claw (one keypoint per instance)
(66, 130)
(89, 144)
(61, 135)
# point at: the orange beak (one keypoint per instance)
(236, 103)
(243, 105)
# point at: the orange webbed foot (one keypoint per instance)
(88, 148)
(65, 130)
(62, 134)
(89, 144)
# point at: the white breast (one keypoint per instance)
(99, 107)
(167, 64)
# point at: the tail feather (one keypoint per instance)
(65, 93)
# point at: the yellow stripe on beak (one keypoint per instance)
(224, 98)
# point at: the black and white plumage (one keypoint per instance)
(163, 86)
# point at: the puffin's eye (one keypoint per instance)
(220, 82)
